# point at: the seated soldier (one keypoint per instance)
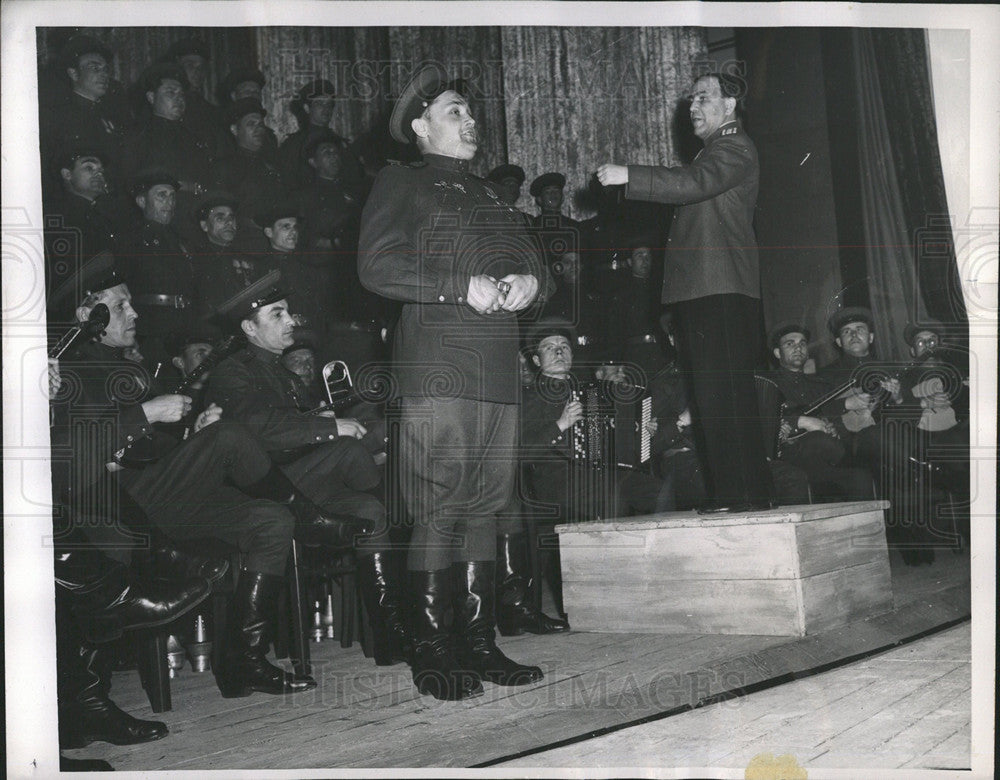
(247, 172)
(548, 413)
(813, 442)
(319, 452)
(155, 264)
(222, 266)
(218, 483)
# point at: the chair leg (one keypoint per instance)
(348, 606)
(300, 626)
(154, 671)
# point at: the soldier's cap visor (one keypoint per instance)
(423, 89)
(97, 274)
(848, 315)
(261, 293)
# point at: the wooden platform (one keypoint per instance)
(790, 571)
(365, 717)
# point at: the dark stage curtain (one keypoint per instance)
(577, 97)
(901, 60)
(137, 47)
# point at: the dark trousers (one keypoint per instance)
(456, 473)
(819, 455)
(719, 344)
(193, 492)
(336, 475)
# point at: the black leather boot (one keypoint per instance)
(105, 603)
(474, 620)
(86, 714)
(313, 526)
(436, 671)
(380, 575)
(515, 612)
(245, 667)
(165, 560)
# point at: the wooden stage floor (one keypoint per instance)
(611, 700)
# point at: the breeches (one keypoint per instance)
(457, 461)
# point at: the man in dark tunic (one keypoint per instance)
(814, 441)
(441, 241)
(319, 452)
(217, 483)
(84, 116)
(313, 108)
(246, 172)
(712, 279)
(165, 142)
(202, 117)
(157, 267)
(222, 266)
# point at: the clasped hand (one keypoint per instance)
(486, 297)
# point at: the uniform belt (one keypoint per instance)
(173, 301)
(648, 338)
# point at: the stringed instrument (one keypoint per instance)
(92, 329)
(150, 449)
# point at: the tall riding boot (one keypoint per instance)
(474, 621)
(245, 667)
(313, 525)
(436, 671)
(515, 611)
(380, 575)
(104, 602)
(165, 560)
(86, 714)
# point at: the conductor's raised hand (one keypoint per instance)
(610, 174)
(167, 408)
(484, 296)
(523, 291)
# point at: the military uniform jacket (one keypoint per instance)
(100, 405)
(221, 272)
(255, 389)
(425, 231)
(800, 391)
(155, 263)
(249, 176)
(712, 248)
(171, 146)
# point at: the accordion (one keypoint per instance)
(612, 433)
(614, 430)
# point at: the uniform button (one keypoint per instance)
(129, 438)
(461, 299)
(331, 436)
(441, 298)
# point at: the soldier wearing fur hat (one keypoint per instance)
(320, 453)
(441, 241)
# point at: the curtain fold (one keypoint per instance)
(577, 97)
(901, 60)
(893, 282)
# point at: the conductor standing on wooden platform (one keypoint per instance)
(711, 278)
(442, 241)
